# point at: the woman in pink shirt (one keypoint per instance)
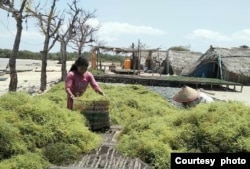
(78, 79)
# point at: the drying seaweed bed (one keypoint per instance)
(195, 79)
(37, 132)
(169, 81)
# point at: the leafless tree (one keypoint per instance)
(84, 31)
(49, 23)
(67, 34)
(19, 15)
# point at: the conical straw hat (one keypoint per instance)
(186, 94)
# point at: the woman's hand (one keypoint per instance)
(100, 92)
(72, 96)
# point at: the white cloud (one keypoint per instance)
(63, 28)
(111, 31)
(33, 35)
(208, 35)
(7, 33)
(125, 28)
(241, 35)
(93, 22)
(108, 32)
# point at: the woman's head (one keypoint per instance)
(81, 61)
(81, 65)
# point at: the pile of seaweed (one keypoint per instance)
(38, 128)
(153, 127)
(35, 132)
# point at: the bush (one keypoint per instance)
(11, 142)
(25, 161)
(216, 127)
(152, 128)
(30, 126)
(62, 153)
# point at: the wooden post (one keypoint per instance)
(167, 63)
(139, 57)
(99, 58)
(219, 60)
(93, 59)
(133, 58)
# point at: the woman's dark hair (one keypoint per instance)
(81, 61)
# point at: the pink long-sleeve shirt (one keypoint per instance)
(77, 83)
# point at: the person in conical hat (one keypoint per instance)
(186, 94)
(190, 97)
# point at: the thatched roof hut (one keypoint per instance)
(176, 61)
(223, 63)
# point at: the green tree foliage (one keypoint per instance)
(105, 57)
(25, 54)
(112, 58)
(179, 48)
(5, 53)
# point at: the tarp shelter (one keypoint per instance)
(222, 63)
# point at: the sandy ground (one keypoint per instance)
(243, 96)
(31, 81)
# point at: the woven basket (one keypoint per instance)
(96, 112)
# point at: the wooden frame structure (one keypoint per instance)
(96, 62)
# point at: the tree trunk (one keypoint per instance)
(13, 74)
(64, 60)
(12, 60)
(79, 52)
(43, 84)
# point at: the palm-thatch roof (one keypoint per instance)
(235, 64)
(122, 50)
(178, 60)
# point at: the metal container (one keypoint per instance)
(127, 64)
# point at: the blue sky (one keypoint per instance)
(196, 24)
